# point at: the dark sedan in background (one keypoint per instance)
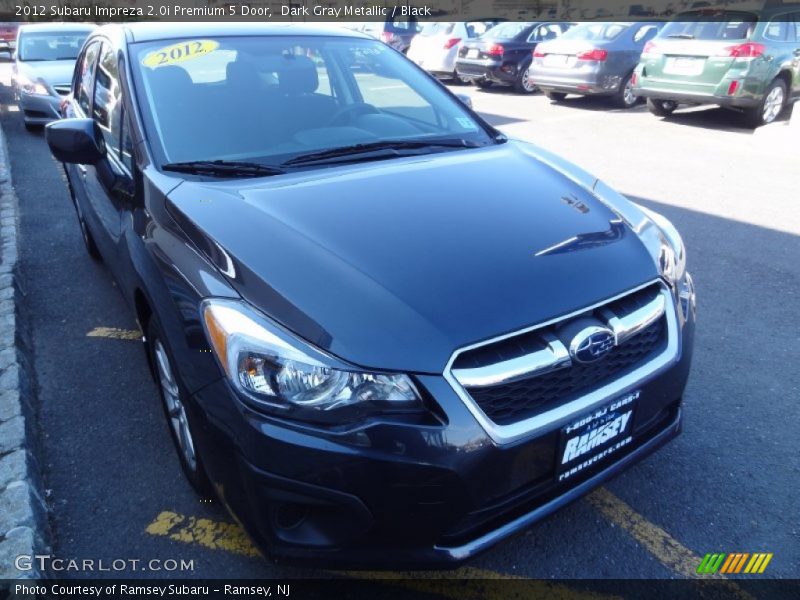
(502, 55)
(592, 59)
(371, 352)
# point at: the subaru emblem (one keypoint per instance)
(591, 344)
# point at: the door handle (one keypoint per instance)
(82, 170)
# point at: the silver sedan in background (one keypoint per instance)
(43, 66)
(592, 59)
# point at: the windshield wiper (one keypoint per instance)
(682, 36)
(370, 147)
(223, 168)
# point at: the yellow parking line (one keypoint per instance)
(232, 538)
(205, 532)
(669, 551)
(115, 333)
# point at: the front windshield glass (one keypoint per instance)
(268, 99)
(42, 46)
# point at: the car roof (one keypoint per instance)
(148, 32)
(57, 27)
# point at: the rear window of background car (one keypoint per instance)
(506, 31)
(595, 31)
(722, 26)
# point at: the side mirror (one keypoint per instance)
(465, 99)
(76, 141)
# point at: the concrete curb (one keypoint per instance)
(24, 526)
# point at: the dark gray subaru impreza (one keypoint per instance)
(383, 333)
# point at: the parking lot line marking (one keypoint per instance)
(669, 551)
(230, 537)
(214, 535)
(441, 583)
(115, 333)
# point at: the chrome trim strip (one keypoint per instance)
(554, 357)
(561, 415)
(636, 321)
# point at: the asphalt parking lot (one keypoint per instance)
(727, 484)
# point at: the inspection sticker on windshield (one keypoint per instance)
(595, 436)
(466, 123)
(180, 52)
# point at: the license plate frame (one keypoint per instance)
(595, 436)
(473, 53)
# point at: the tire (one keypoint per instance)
(456, 79)
(524, 84)
(661, 108)
(770, 107)
(88, 240)
(483, 83)
(555, 96)
(173, 401)
(624, 97)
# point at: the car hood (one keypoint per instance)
(396, 264)
(54, 72)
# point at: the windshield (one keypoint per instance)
(506, 31)
(711, 25)
(34, 46)
(268, 99)
(595, 31)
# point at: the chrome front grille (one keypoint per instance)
(527, 381)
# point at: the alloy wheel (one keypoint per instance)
(773, 104)
(176, 411)
(627, 94)
(527, 82)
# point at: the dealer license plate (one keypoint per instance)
(555, 60)
(683, 65)
(595, 436)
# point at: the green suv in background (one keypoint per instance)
(746, 60)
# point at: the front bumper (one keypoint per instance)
(39, 110)
(401, 495)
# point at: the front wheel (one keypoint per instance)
(625, 96)
(661, 108)
(771, 105)
(173, 399)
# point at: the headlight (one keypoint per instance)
(32, 87)
(671, 257)
(279, 373)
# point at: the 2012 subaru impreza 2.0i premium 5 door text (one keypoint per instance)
(372, 354)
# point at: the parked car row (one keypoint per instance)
(747, 60)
